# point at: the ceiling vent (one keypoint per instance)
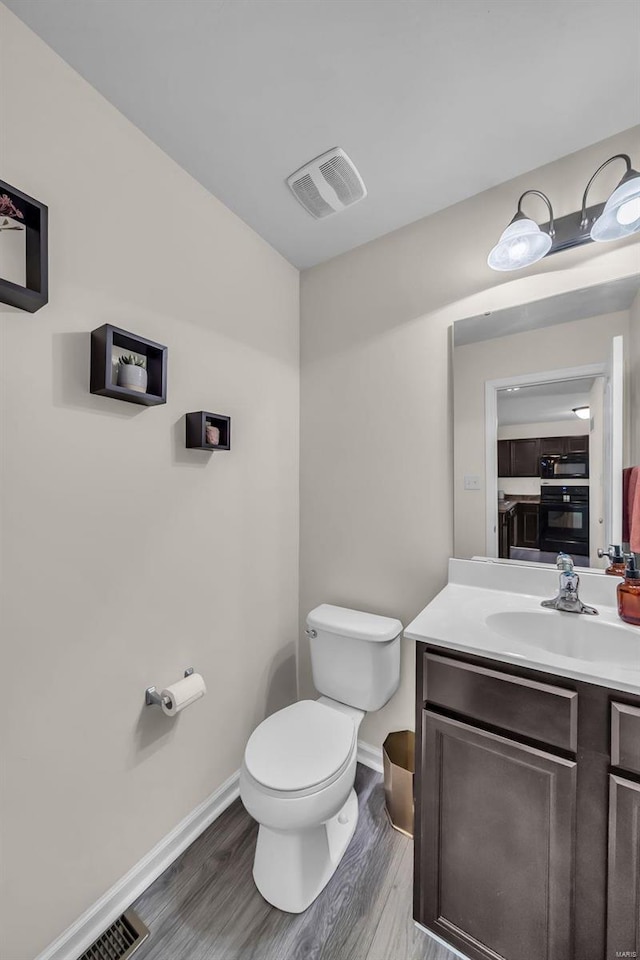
(328, 184)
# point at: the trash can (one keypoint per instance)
(399, 765)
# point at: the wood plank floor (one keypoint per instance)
(205, 905)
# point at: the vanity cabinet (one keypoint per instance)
(623, 893)
(623, 888)
(492, 805)
(527, 824)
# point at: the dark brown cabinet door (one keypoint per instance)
(526, 525)
(525, 458)
(521, 458)
(563, 445)
(578, 444)
(506, 532)
(504, 458)
(553, 445)
(623, 894)
(497, 838)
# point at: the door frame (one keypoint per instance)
(585, 372)
(613, 463)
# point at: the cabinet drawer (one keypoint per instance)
(545, 713)
(625, 737)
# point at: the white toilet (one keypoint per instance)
(300, 764)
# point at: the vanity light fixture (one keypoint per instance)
(525, 242)
(583, 413)
(621, 214)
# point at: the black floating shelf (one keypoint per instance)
(103, 342)
(35, 222)
(197, 430)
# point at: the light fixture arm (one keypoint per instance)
(619, 156)
(543, 196)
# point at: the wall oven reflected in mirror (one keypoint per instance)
(546, 399)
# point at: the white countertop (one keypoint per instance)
(476, 610)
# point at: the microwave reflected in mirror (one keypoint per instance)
(543, 412)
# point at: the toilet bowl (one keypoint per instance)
(298, 773)
(297, 781)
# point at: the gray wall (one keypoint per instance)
(126, 557)
(376, 454)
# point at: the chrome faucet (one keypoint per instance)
(568, 600)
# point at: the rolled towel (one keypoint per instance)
(626, 479)
(634, 510)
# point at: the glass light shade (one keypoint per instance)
(582, 412)
(521, 244)
(621, 214)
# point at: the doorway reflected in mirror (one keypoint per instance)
(545, 411)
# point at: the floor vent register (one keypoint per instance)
(120, 940)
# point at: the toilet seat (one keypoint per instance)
(301, 748)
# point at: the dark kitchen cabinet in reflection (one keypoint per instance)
(525, 458)
(526, 527)
(521, 457)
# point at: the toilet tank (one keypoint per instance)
(355, 656)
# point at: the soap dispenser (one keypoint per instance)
(629, 592)
(617, 564)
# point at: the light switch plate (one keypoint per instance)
(471, 483)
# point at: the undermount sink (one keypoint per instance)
(568, 635)
(493, 610)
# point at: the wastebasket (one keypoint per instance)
(399, 766)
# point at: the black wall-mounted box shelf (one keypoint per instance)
(103, 341)
(36, 216)
(196, 430)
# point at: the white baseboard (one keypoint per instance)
(439, 940)
(75, 940)
(370, 756)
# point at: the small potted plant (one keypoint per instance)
(132, 373)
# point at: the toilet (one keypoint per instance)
(299, 765)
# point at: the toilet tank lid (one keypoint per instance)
(353, 623)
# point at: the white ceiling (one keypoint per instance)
(434, 100)
(544, 402)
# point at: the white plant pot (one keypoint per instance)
(132, 377)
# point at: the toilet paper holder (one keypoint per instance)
(151, 695)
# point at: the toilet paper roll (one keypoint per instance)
(183, 693)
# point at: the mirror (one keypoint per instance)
(544, 423)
